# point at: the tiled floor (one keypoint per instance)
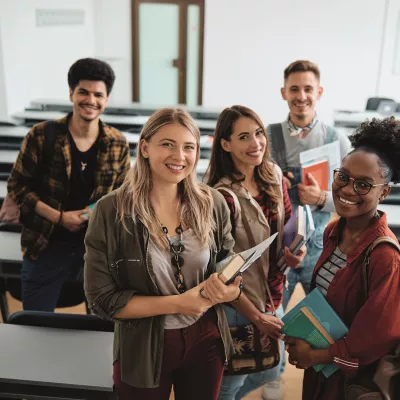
(292, 377)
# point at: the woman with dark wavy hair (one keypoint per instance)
(253, 187)
(372, 315)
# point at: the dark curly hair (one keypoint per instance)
(382, 138)
(91, 69)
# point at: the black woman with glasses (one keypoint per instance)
(151, 247)
(368, 304)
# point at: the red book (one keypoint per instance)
(320, 171)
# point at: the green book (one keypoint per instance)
(304, 325)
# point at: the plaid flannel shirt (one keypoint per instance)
(113, 162)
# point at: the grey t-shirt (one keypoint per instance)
(327, 272)
(195, 265)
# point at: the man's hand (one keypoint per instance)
(270, 325)
(73, 221)
(294, 260)
(311, 193)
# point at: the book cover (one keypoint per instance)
(320, 172)
(232, 269)
(317, 304)
(304, 325)
(293, 232)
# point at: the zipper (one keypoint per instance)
(115, 264)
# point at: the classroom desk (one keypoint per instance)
(11, 139)
(116, 108)
(125, 121)
(347, 119)
(3, 190)
(8, 157)
(49, 363)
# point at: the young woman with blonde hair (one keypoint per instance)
(151, 246)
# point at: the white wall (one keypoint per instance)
(112, 43)
(246, 54)
(3, 102)
(248, 43)
(36, 59)
(389, 82)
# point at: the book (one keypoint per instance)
(294, 233)
(229, 268)
(302, 238)
(232, 269)
(329, 152)
(319, 170)
(314, 312)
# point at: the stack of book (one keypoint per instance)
(315, 321)
(297, 232)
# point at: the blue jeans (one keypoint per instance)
(304, 273)
(237, 386)
(42, 279)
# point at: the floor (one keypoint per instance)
(292, 377)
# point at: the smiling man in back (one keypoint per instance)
(302, 130)
(63, 167)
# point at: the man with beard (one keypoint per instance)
(63, 167)
(302, 130)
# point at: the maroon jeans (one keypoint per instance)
(193, 362)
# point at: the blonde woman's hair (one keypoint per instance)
(196, 202)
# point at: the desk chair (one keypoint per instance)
(373, 103)
(61, 321)
(72, 294)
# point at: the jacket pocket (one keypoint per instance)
(119, 270)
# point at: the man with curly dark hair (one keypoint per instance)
(364, 294)
(53, 191)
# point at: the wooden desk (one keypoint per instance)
(50, 363)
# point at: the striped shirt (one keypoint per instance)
(275, 276)
(328, 270)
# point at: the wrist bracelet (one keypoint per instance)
(60, 218)
(240, 293)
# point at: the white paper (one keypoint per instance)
(330, 152)
(259, 250)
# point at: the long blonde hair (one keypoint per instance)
(196, 202)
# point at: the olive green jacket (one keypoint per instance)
(118, 266)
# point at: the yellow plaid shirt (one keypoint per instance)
(113, 162)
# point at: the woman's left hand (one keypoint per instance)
(294, 260)
(217, 292)
(299, 352)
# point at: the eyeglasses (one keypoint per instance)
(359, 185)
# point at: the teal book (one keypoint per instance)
(329, 324)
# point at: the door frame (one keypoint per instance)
(183, 19)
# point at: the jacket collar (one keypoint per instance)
(239, 190)
(105, 137)
(374, 231)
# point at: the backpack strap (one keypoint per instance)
(331, 135)
(365, 265)
(278, 147)
(231, 193)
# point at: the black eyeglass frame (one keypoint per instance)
(349, 178)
